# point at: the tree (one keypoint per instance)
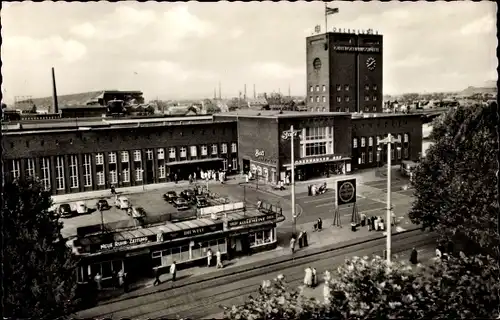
(39, 269)
(456, 288)
(276, 300)
(456, 185)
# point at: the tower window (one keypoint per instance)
(367, 87)
(324, 88)
(317, 88)
(346, 87)
(317, 99)
(375, 87)
(339, 99)
(346, 98)
(324, 98)
(339, 87)
(311, 89)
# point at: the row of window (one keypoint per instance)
(362, 158)
(263, 173)
(378, 138)
(339, 98)
(339, 88)
(113, 174)
(165, 258)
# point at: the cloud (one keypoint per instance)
(124, 21)
(414, 61)
(482, 25)
(277, 70)
(27, 48)
(236, 33)
(180, 23)
(173, 70)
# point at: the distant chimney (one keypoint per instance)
(254, 93)
(220, 91)
(245, 94)
(55, 105)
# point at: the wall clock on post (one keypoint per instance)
(371, 63)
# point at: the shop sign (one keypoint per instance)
(259, 153)
(123, 243)
(246, 221)
(322, 159)
(356, 49)
(193, 232)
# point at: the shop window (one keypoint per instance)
(399, 153)
(370, 157)
(362, 157)
(406, 153)
(260, 238)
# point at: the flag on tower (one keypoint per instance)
(329, 10)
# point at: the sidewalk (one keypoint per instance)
(326, 239)
(91, 195)
(361, 177)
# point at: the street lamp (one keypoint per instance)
(285, 135)
(389, 140)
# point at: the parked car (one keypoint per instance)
(188, 194)
(137, 212)
(170, 196)
(54, 211)
(102, 204)
(65, 210)
(80, 207)
(181, 204)
(122, 202)
(201, 202)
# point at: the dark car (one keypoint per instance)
(65, 210)
(188, 194)
(181, 204)
(201, 202)
(170, 196)
(102, 204)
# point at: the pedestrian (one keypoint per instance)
(314, 277)
(292, 244)
(369, 225)
(113, 191)
(173, 271)
(414, 256)
(218, 255)
(438, 253)
(373, 223)
(309, 193)
(194, 176)
(320, 224)
(157, 277)
(304, 236)
(381, 225)
(190, 179)
(98, 280)
(300, 240)
(114, 279)
(125, 282)
(120, 277)
(363, 219)
(209, 257)
(175, 178)
(308, 277)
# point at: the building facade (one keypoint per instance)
(369, 130)
(344, 72)
(95, 155)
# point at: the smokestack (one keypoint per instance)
(245, 94)
(55, 105)
(215, 93)
(289, 95)
(254, 93)
(220, 92)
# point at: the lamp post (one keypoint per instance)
(389, 140)
(285, 135)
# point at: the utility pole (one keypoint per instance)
(291, 134)
(389, 140)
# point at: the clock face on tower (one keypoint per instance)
(371, 63)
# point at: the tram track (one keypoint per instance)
(203, 298)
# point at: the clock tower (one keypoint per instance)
(344, 71)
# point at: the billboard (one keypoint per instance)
(346, 191)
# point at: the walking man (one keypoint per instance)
(173, 271)
(157, 277)
(292, 245)
(219, 259)
(209, 257)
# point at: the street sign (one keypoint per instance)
(346, 191)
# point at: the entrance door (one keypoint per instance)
(246, 165)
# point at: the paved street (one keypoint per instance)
(201, 299)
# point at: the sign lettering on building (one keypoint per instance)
(122, 243)
(320, 159)
(356, 49)
(259, 153)
(193, 232)
(242, 222)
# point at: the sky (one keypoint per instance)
(182, 50)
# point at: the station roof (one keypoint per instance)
(275, 114)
